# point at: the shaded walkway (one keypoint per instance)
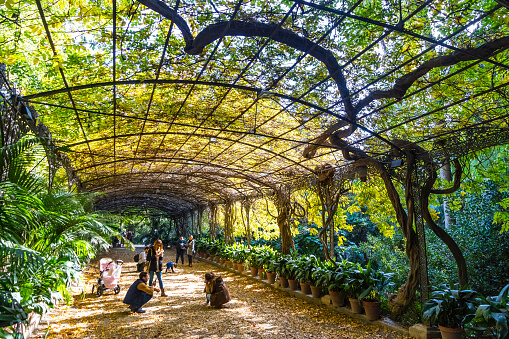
(254, 312)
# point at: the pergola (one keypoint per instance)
(178, 105)
(154, 113)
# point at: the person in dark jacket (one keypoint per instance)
(215, 290)
(139, 293)
(181, 249)
(155, 259)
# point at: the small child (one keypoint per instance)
(209, 285)
(169, 265)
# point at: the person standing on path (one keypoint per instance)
(181, 248)
(139, 293)
(190, 250)
(155, 258)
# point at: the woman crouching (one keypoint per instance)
(215, 290)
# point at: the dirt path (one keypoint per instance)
(255, 311)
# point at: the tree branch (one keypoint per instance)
(403, 84)
(457, 180)
(215, 31)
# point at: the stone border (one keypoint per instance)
(325, 300)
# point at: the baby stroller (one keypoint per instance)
(110, 273)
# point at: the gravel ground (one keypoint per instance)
(255, 311)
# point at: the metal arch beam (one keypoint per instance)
(180, 161)
(215, 129)
(127, 194)
(194, 135)
(141, 188)
(223, 183)
(201, 186)
(249, 178)
(146, 194)
(208, 83)
(119, 203)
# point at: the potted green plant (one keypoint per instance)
(492, 315)
(291, 271)
(228, 256)
(354, 280)
(374, 283)
(240, 256)
(252, 259)
(450, 309)
(306, 265)
(272, 264)
(333, 279)
(282, 270)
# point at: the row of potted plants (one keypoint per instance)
(362, 285)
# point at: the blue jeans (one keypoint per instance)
(146, 298)
(208, 297)
(159, 277)
(181, 256)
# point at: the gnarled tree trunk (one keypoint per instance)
(282, 200)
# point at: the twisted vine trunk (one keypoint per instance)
(329, 191)
(441, 233)
(283, 219)
(406, 293)
(229, 218)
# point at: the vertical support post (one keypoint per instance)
(200, 217)
(421, 238)
(247, 208)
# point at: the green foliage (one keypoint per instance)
(239, 254)
(329, 276)
(357, 280)
(450, 308)
(306, 265)
(388, 255)
(492, 315)
(45, 237)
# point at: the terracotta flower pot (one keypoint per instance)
(228, 263)
(271, 277)
(316, 291)
(294, 284)
(372, 309)
(254, 271)
(304, 288)
(450, 333)
(212, 256)
(222, 260)
(338, 298)
(240, 267)
(261, 273)
(283, 281)
(235, 266)
(356, 306)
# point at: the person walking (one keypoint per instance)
(139, 293)
(190, 250)
(181, 248)
(155, 258)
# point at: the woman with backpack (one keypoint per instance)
(155, 259)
